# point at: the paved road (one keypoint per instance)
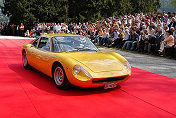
(158, 65)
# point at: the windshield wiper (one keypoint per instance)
(84, 49)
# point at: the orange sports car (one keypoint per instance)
(75, 60)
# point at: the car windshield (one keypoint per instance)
(73, 43)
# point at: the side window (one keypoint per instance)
(44, 44)
(35, 42)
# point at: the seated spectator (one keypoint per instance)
(151, 30)
(173, 52)
(84, 32)
(96, 36)
(172, 30)
(115, 36)
(151, 44)
(132, 43)
(27, 34)
(172, 23)
(127, 35)
(174, 33)
(165, 29)
(159, 39)
(120, 39)
(100, 36)
(141, 42)
(168, 42)
(106, 36)
(32, 33)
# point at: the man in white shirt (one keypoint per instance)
(116, 36)
(58, 28)
(54, 27)
(105, 36)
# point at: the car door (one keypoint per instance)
(31, 52)
(44, 55)
(37, 53)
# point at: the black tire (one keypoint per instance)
(60, 78)
(25, 61)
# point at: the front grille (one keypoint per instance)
(108, 79)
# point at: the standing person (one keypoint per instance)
(58, 30)
(13, 29)
(17, 30)
(22, 29)
(54, 27)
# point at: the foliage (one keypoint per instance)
(32, 11)
(173, 2)
(167, 5)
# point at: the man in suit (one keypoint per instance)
(159, 39)
(151, 44)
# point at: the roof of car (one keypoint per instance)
(53, 35)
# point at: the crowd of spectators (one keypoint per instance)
(153, 33)
(11, 29)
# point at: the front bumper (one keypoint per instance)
(98, 82)
(98, 79)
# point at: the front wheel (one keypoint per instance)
(25, 61)
(60, 78)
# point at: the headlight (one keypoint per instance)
(127, 66)
(77, 69)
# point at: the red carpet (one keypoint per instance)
(30, 94)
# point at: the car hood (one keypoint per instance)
(97, 61)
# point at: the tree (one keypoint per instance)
(32, 11)
(173, 2)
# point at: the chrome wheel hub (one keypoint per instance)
(58, 76)
(24, 59)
